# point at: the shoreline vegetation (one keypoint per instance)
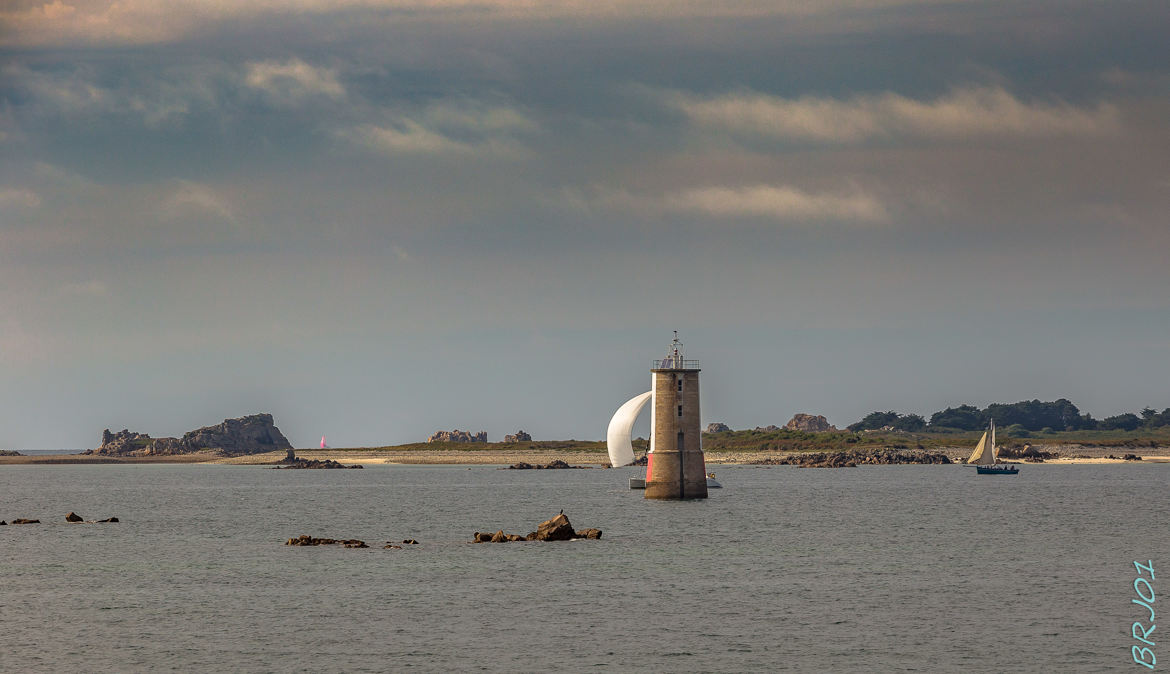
(728, 447)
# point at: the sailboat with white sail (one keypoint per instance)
(984, 457)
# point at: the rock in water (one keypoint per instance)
(21, 520)
(110, 519)
(556, 529)
(74, 517)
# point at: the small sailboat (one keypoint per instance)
(323, 445)
(984, 457)
(712, 483)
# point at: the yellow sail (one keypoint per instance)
(983, 452)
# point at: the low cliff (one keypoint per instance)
(253, 434)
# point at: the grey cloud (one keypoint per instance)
(189, 197)
(964, 113)
(442, 129)
(136, 22)
(291, 80)
(18, 197)
(780, 203)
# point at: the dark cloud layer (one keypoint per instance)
(370, 198)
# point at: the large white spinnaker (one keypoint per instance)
(617, 438)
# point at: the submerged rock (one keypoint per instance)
(21, 520)
(555, 464)
(305, 539)
(108, 519)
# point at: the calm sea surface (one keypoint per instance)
(890, 568)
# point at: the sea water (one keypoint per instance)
(884, 568)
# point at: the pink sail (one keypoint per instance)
(322, 442)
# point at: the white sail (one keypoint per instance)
(994, 452)
(984, 453)
(621, 449)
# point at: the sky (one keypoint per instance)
(376, 219)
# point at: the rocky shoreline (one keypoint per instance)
(856, 457)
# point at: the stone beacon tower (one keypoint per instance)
(675, 467)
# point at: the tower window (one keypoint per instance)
(680, 384)
(680, 410)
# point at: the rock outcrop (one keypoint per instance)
(457, 436)
(252, 434)
(557, 528)
(1027, 453)
(853, 458)
(718, 427)
(520, 436)
(770, 428)
(305, 539)
(10, 452)
(809, 424)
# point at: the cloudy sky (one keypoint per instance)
(379, 218)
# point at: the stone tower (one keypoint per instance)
(675, 467)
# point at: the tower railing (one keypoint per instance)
(671, 363)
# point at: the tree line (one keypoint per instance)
(1027, 415)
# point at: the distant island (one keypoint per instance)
(1032, 431)
(252, 434)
